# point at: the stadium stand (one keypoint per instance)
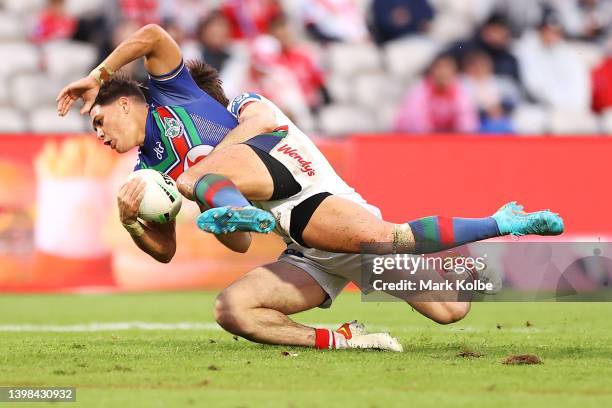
(364, 82)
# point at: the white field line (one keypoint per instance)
(110, 326)
(206, 326)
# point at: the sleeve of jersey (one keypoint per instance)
(243, 100)
(177, 87)
(139, 165)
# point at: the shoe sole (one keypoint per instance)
(224, 220)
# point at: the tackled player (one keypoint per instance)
(315, 210)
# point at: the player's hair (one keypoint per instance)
(207, 78)
(118, 86)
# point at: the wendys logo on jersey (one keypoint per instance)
(287, 150)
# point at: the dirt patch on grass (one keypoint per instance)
(466, 353)
(522, 359)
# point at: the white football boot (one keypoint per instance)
(357, 337)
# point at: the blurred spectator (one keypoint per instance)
(185, 14)
(121, 33)
(494, 38)
(438, 103)
(141, 12)
(249, 18)
(585, 19)
(54, 23)
(602, 83)
(214, 38)
(277, 82)
(299, 60)
(553, 74)
(521, 15)
(214, 46)
(494, 96)
(392, 19)
(334, 20)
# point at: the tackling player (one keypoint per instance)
(282, 170)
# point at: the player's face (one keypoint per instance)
(116, 125)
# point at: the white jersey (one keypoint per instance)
(295, 150)
(303, 159)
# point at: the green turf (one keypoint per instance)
(209, 368)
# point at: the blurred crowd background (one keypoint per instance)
(339, 66)
(375, 70)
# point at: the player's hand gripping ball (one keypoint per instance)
(161, 201)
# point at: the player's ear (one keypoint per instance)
(124, 104)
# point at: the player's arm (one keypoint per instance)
(157, 240)
(254, 119)
(236, 241)
(162, 54)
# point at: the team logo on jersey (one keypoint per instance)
(196, 154)
(173, 128)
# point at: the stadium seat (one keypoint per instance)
(46, 120)
(80, 7)
(564, 122)
(82, 58)
(370, 90)
(335, 120)
(385, 115)
(407, 58)
(591, 54)
(530, 120)
(472, 11)
(11, 121)
(22, 6)
(340, 89)
(4, 93)
(18, 57)
(31, 91)
(11, 27)
(606, 122)
(350, 59)
(448, 28)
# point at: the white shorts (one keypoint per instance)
(311, 171)
(332, 271)
(309, 168)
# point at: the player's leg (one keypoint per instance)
(240, 164)
(442, 306)
(442, 312)
(334, 224)
(329, 222)
(227, 180)
(257, 306)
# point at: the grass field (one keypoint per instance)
(200, 365)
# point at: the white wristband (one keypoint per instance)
(135, 229)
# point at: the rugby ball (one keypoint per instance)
(162, 200)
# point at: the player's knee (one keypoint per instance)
(230, 313)
(185, 184)
(451, 312)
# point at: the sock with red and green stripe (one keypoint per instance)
(214, 190)
(434, 234)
